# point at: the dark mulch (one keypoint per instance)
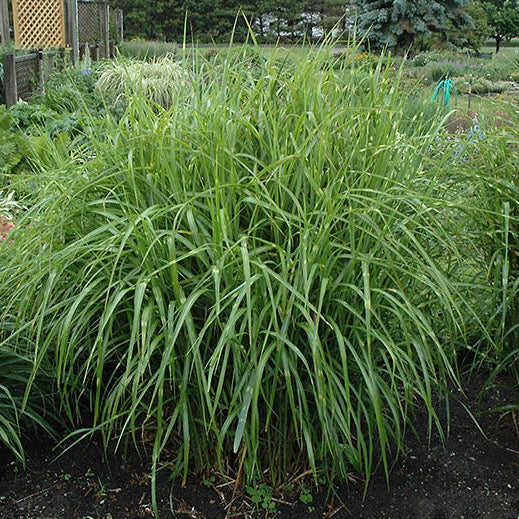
(473, 476)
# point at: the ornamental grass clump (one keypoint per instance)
(161, 81)
(488, 178)
(268, 279)
(18, 412)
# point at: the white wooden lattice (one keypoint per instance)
(38, 23)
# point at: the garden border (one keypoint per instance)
(27, 73)
(17, 84)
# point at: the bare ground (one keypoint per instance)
(474, 475)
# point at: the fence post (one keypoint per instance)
(61, 58)
(106, 27)
(40, 71)
(73, 29)
(4, 22)
(102, 8)
(119, 17)
(11, 87)
(96, 52)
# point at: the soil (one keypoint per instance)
(469, 122)
(474, 475)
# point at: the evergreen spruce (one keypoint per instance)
(397, 23)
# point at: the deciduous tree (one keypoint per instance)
(215, 19)
(475, 37)
(503, 18)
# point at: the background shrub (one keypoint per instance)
(436, 71)
(144, 49)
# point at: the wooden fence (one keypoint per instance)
(54, 23)
(98, 23)
(26, 74)
(5, 36)
(38, 23)
(84, 22)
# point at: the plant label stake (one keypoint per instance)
(470, 89)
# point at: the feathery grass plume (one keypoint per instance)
(161, 81)
(275, 268)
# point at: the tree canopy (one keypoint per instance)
(472, 38)
(394, 24)
(503, 19)
(216, 19)
(397, 23)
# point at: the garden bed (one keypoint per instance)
(471, 477)
(274, 272)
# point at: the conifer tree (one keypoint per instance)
(397, 23)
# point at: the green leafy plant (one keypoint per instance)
(144, 49)
(14, 147)
(483, 86)
(70, 90)
(262, 496)
(8, 205)
(307, 498)
(437, 71)
(495, 182)
(269, 277)
(209, 482)
(35, 119)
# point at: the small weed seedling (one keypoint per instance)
(209, 482)
(261, 495)
(307, 498)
